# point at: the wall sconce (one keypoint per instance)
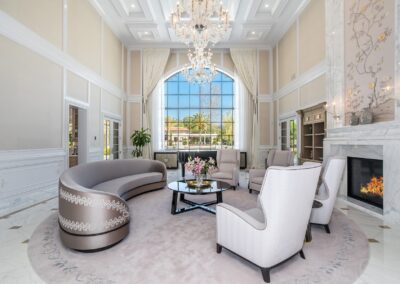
(331, 109)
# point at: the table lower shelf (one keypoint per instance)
(193, 205)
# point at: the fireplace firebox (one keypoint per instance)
(365, 180)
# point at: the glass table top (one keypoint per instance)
(214, 187)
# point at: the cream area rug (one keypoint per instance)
(165, 248)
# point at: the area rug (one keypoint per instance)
(165, 248)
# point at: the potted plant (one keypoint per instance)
(140, 138)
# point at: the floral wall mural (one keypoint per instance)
(369, 61)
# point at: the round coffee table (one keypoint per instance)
(181, 188)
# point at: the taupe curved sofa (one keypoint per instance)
(93, 213)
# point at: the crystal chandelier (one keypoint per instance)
(198, 23)
(201, 70)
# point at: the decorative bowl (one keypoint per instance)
(194, 184)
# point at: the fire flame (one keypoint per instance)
(374, 187)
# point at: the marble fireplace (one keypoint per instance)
(377, 143)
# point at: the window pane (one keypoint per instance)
(183, 88)
(216, 115)
(205, 101)
(215, 101)
(174, 77)
(172, 88)
(226, 78)
(194, 89)
(227, 141)
(183, 114)
(227, 115)
(227, 128)
(218, 77)
(216, 88)
(172, 101)
(227, 102)
(184, 101)
(194, 101)
(227, 88)
(205, 89)
(172, 115)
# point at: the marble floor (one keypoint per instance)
(16, 229)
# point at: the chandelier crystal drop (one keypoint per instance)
(199, 23)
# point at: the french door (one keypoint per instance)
(111, 139)
(289, 134)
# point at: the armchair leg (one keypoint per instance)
(234, 187)
(327, 230)
(219, 248)
(250, 190)
(302, 254)
(265, 274)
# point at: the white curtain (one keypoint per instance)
(156, 104)
(154, 61)
(245, 61)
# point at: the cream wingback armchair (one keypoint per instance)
(282, 158)
(327, 192)
(274, 231)
(228, 163)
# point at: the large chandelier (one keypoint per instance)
(201, 70)
(199, 23)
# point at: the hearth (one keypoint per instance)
(365, 180)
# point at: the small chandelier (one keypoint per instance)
(198, 23)
(201, 70)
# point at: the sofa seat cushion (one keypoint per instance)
(121, 185)
(222, 175)
(257, 180)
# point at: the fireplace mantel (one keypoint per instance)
(374, 141)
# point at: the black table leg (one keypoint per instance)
(308, 233)
(219, 197)
(174, 202)
(181, 196)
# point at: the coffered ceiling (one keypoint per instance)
(142, 23)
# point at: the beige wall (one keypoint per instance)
(84, 34)
(112, 57)
(136, 73)
(287, 57)
(265, 124)
(77, 87)
(95, 123)
(31, 99)
(264, 72)
(44, 17)
(32, 83)
(274, 70)
(135, 116)
(289, 103)
(110, 104)
(312, 35)
(313, 92)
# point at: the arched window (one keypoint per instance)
(199, 117)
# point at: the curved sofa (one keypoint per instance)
(93, 213)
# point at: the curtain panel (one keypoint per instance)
(154, 63)
(245, 61)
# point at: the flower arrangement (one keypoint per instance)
(198, 167)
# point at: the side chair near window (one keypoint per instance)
(282, 158)
(228, 163)
(327, 192)
(274, 231)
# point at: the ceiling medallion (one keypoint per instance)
(200, 23)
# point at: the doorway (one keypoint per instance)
(111, 139)
(76, 136)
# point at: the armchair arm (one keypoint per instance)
(226, 211)
(256, 173)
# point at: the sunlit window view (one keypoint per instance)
(199, 117)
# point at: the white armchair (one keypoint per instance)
(327, 192)
(228, 163)
(281, 158)
(274, 231)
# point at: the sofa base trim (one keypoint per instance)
(94, 242)
(264, 270)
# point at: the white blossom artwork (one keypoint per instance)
(369, 58)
